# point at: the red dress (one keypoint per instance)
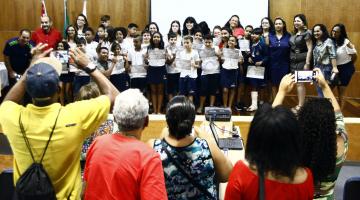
(243, 184)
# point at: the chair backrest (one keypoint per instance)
(352, 188)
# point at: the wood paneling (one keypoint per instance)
(18, 14)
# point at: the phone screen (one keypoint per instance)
(62, 56)
(304, 76)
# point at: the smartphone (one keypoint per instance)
(62, 55)
(304, 76)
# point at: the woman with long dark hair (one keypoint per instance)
(81, 25)
(324, 54)
(272, 159)
(279, 54)
(182, 151)
(301, 47)
(235, 26)
(345, 59)
(325, 141)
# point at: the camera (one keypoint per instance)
(304, 76)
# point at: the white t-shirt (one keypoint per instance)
(210, 63)
(172, 50)
(343, 53)
(231, 62)
(190, 57)
(137, 67)
(129, 42)
(91, 50)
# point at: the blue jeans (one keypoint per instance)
(326, 71)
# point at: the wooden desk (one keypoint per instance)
(222, 130)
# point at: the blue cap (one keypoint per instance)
(42, 79)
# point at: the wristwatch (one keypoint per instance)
(91, 67)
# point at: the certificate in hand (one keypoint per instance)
(156, 57)
(207, 53)
(231, 53)
(119, 67)
(244, 45)
(138, 69)
(156, 54)
(255, 72)
(183, 64)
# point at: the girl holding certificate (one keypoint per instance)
(119, 78)
(232, 58)
(156, 73)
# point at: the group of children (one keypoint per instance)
(208, 68)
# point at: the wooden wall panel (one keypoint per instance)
(18, 14)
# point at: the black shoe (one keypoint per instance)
(151, 109)
(240, 107)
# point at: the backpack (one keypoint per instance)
(35, 183)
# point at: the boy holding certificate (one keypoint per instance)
(188, 62)
(210, 74)
(136, 65)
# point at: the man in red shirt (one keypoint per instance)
(119, 165)
(46, 33)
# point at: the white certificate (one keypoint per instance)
(119, 67)
(138, 69)
(206, 53)
(183, 64)
(255, 72)
(197, 46)
(156, 57)
(244, 45)
(231, 53)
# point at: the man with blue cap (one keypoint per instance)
(66, 126)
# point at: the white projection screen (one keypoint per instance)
(214, 12)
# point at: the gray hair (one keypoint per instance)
(130, 110)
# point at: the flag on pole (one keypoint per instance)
(43, 8)
(66, 17)
(84, 7)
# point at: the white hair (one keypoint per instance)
(130, 110)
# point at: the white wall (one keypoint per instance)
(214, 12)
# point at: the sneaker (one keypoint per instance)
(251, 108)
